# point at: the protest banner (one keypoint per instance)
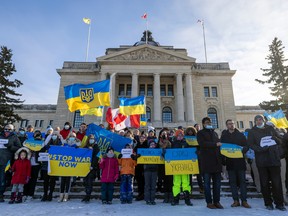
(150, 156)
(231, 150)
(191, 140)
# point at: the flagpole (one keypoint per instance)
(204, 40)
(88, 42)
(146, 30)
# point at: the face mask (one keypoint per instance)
(91, 141)
(260, 126)
(72, 139)
(164, 136)
(110, 155)
(66, 127)
(54, 137)
(179, 138)
(22, 132)
(209, 127)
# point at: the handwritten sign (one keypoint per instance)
(43, 156)
(231, 150)
(150, 156)
(3, 142)
(267, 141)
(34, 145)
(181, 161)
(126, 153)
(191, 140)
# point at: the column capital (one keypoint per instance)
(156, 74)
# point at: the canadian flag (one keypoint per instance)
(144, 16)
(119, 121)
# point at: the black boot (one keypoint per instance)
(175, 200)
(187, 198)
(86, 199)
(1, 198)
(13, 197)
(44, 198)
(166, 197)
(50, 197)
(170, 197)
(19, 197)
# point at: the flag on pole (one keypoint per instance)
(98, 111)
(144, 16)
(132, 106)
(87, 21)
(86, 96)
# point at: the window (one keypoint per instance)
(167, 114)
(237, 124)
(121, 89)
(206, 92)
(251, 124)
(241, 124)
(128, 90)
(78, 119)
(142, 89)
(149, 90)
(148, 114)
(24, 123)
(214, 92)
(41, 123)
(36, 123)
(212, 113)
(163, 90)
(51, 123)
(170, 90)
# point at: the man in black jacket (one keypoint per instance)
(236, 167)
(266, 145)
(211, 165)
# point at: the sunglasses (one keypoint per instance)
(7, 129)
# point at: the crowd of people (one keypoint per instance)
(264, 150)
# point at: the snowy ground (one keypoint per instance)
(75, 207)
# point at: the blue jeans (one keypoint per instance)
(126, 188)
(238, 176)
(216, 178)
(107, 190)
(2, 179)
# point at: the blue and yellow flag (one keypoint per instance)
(7, 166)
(132, 106)
(231, 150)
(278, 118)
(150, 156)
(180, 161)
(98, 111)
(191, 140)
(34, 145)
(68, 161)
(81, 96)
(87, 20)
(143, 120)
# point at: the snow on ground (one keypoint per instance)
(75, 207)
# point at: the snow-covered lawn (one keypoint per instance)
(75, 207)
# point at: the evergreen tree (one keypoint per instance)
(277, 77)
(9, 100)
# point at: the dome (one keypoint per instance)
(150, 40)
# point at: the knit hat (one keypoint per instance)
(48, 129)
(151, 142)
(178, 132)
(109, 148)
(259, 116)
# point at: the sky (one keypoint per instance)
(43, 34)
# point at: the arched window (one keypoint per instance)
(147, 116)
(167, 114)
(77, 119)
(212, 113)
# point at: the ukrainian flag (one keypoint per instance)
(81, 96)
(132, 106)
(98, 111)
(7, 166)
(278, 118)
(143, 120)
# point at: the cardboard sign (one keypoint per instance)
(3, 142)
(126, 153)
(43, 156)
(267, 141)
(191, 140)
(150, 156)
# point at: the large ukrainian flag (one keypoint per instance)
(132, 106)
(81, 96)
(98, 111)
(278, 118)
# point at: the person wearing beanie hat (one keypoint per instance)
(110, 174)
(184, 179)
(22, 135)
(267, 161)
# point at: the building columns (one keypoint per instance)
(157, 98)
(134, 85)
(180, 98)
(189, 98)
(112, 88)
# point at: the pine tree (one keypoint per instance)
(277, 76)
(9, 100)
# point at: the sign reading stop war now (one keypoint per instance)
(150, 156)
(181, 161)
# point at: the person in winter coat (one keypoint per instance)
(9, 144)
(184, 179)
(49, 181)
(22, 135)
(150, 173)
(21, 174)
(110, 174)
(210, 163)
(268, 162)
(236, 167)
(65, 182)
(127, 172)
(139, 170)
(66, 130)
(88, 180)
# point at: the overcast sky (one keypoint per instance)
(43, 34)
